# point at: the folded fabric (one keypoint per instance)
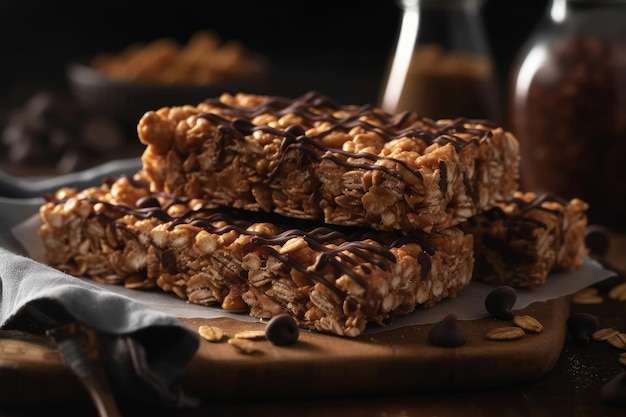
(146, 349)
(37, 298)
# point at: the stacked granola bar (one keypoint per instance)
(312, 158)
(339, 215)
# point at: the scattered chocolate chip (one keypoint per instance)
(597, 239)
(582, 326)
(500, 301)
(282, 330)
(448, 333)
(614, 391)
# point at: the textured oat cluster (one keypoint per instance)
(339, 215)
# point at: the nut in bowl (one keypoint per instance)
(141, 77)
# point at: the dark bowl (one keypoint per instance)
(127, 101)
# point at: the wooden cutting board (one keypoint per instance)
(318, 364)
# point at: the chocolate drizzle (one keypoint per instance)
(314, 108)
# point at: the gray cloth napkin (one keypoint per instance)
(147, 350)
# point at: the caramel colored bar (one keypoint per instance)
(526, 237)
(311, 158)
(334, 280)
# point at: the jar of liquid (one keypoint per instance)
(568, 106)
(442, 66)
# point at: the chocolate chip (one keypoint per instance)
(500, 301)
(597, 239)
(282, 330)
(448, 333)
(614, 391)
(581, 326)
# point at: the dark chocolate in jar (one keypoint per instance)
(571, 125)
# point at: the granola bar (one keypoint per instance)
(334, 280)
(526, 237)
(314, 159)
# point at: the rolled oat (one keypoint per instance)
(618, 292)
(505, 333)
(211, 333)
(604, 334)
(528, 323)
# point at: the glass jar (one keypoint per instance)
(442, 66)
(568, 106)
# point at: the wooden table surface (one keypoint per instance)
(571, 388)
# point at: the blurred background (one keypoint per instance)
(340, 48)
